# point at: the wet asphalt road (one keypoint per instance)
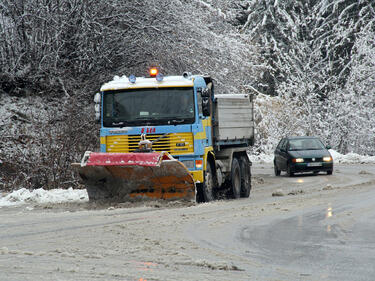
(331, 239)
(332, 242)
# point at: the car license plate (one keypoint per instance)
(316, 164)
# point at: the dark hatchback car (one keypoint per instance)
(302, 154)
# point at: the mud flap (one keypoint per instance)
(121, 176)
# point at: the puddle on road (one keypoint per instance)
(328, 214)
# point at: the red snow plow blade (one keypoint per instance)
(121, 176)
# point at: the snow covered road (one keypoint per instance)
(318, 229)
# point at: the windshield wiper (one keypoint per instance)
(147, 121)
(123, 123)
(161, 120)
(145, 118)
(176, 121)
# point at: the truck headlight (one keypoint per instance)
(188, 163)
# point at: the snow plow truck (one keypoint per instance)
(169, 137)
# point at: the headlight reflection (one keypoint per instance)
(329, 212)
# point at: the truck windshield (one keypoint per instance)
(156, 106)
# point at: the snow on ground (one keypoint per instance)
(42, 196)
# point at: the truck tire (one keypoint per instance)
(235, 189)
(245, 177)
(208, 187)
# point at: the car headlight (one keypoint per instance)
(327, 159)
(298, 160)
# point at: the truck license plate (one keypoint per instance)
(317, 164)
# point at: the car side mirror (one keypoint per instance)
(328, 147)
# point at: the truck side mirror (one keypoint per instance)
(97, 100)
(206, 107)
(205, 94)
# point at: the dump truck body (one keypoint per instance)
(183, 119)
(233, 118)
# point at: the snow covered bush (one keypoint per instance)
(39, 144)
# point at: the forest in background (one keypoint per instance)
(311, 64)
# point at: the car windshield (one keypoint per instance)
(305, 144)
(154, 106)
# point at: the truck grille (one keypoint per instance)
(176, 143)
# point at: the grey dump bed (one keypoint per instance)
(234, 119)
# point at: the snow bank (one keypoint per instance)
(351, 158)
(262, 158)
(23, 195)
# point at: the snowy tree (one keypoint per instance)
(350, 110)
(310, 60)
(68, 45)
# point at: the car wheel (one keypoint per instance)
(235, 179)
(316, 172)
(245, 177)
(276, 169)
(289, 171)
(208, 185)
(329, 172)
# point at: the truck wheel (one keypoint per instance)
(208, 185)
(235, 179)
(245, 177)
